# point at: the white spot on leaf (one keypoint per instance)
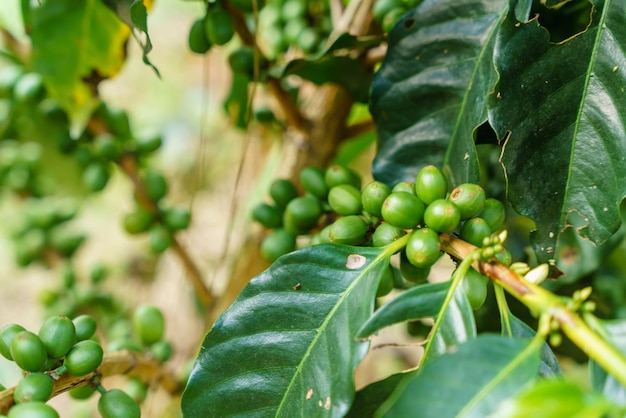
(309, 394)
(355, 261)
(327, 404)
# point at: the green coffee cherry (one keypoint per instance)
(308, 39)
(82, 392)
(136, 389)
(442, 216)
(293, 9)
(385, 284)
(469, 198)
(404, 186)
(385, 234)
(277, 244)
(349, 230)
(218, 26)
(57, 334)
(197, 39)
(148, 145)
(475, 230)
(29, 88)
(66, 242)
(282, 192)
(156, 185)
(119, 122)
(430, 184)
(382, 7)
(32, 410)
(312, 180)
(373, 196)
(138, 221)
(475, 288)
(148, 324)
(177, 219)
(412, 273)
(28, 351)
(338, 174)
(161, 350)
(267, 215)
(116, 403)
(7, 333)
(302, 212)
(85, 326)
(345, 199)
(160, 239)
(105, 147)
(264, 115)
(392, 18)
(493, 213)
(34, 387)
(96, 176)
(423, 247)
(84, 358)
(403, 210)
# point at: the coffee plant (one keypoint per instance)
(436, 177)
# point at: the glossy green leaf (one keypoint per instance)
(560, 109)
(424, 301)
(549, 366)
(600, 379)
(75, 44)
(555, 398)
(371, 397)
(418, 302)
(470, 382)
(286, 347)
(431, 91)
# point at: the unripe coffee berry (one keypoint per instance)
(442, 216)
(345, 200)
(403, 210)
(469, 198)
(423, 247)
(373, 196)
(430, 184)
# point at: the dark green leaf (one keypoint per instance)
(470, 382)
(74, 42)
(560, 109)
(600, 379)
(345, 71)
(418, 302)
(549, 366)
(371, 397)
(554, 398)
(457, 325)
(286, 347)
(431, 92)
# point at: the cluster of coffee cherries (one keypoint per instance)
(334, 209)
(70, 346)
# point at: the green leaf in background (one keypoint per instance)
(371, 397)
(346, 71)
(561, 111)
(286, 347)
(75, 45)
(139, 18)
(470, 382)
(600, 379)
(431, 91)
(425, 301)
(549, 366)
(236, 103)
(554, 398)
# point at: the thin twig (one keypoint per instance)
(358, 129)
